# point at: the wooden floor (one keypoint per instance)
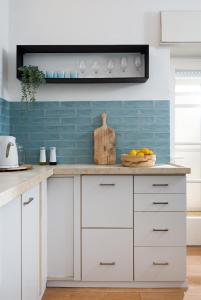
(193, 292)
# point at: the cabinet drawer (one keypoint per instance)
(159, 229)
(107, 254)
(159, 184)
(159, 202)
(107, 201)
(160, 263)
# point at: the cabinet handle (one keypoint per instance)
(165, 229)
(107, 184)
(29, 201)
(155, 203)
(160, 184)
(160, 263)
(107, 263)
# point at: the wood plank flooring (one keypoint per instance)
(193, 292)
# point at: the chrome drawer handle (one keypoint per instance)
(107, 184)
(107, 263)
(160, 263)
(160, 184)
(156, 203)
(165, 229)
(29, 201)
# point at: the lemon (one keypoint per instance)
(146, 151)
(141, 154)
(151, 152)
(132, 152)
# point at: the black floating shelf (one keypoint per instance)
(142, 49)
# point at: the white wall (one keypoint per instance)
(94, 22)
(4, 12)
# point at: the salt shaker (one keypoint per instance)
(42, 156)
(53, 157)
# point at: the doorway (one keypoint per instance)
(186, 137)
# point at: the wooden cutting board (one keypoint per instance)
(104, 144)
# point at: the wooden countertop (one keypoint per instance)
(12, 184)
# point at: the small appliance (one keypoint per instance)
(8, 152)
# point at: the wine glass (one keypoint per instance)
(82, 67)
(110, 66)
(124, 63)
(95, 67)
(138, 62)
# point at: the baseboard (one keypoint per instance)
(85, 284)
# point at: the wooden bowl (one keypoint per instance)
(138, 161)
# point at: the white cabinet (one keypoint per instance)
(160, 263)
(23, 246)
(107, 254)
(60, 228)
(10, 250)
(159, 184)
(159, 228)
(107, 201)
(160, 202)
(30, 244)
(43, 238)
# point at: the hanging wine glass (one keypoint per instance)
(138, 62)
(82, 67)
(124, 63)
(96, 67)
(110, 66)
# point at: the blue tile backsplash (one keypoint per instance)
(69, 126)
(4, 117)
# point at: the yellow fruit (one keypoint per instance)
(146, 151)
(141, 154)
(151, 152)
(132, 152)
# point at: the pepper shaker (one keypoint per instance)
(53, 157)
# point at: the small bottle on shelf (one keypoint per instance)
(43, 160)
(53, 157)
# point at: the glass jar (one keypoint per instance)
(21, 154)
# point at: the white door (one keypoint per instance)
(30, 244)
(10, 250)
(187, 137)
(60, 195)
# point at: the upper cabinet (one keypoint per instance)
(87, 63)
(180, 27)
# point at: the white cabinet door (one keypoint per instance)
(60, 228)
(107, 201)
(107, 254)
(30, 244)
(160, 202)
(159, 229)
(10, 250)
(43, 238)
(160, 263)
(160, 184)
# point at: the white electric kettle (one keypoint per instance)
(8, 152)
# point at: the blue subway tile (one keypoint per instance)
(69, 126)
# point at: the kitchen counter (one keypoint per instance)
(12, 184)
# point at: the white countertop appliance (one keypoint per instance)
(8, 152)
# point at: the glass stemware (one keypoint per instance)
(138, 62)
(82, 67)
(110, 66)
(96, 67)
(124, 63)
